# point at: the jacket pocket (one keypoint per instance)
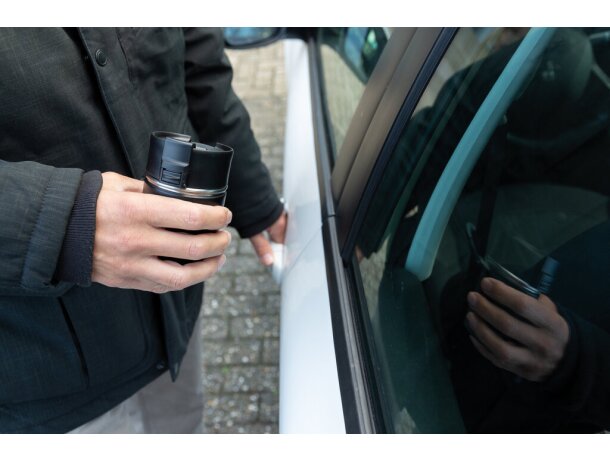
(110, 331)
(38, 357)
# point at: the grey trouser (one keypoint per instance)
(162, 406)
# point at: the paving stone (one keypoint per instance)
(211, 306)
(269, 408)
(221, 352)
(255, 284)
(271, 351)
(249, 428)
(245, 247)
(214, 328)
(239, 265)
(247, 379)
(218, 285)
(239, 304)
(274, 300)
(230, 409)
(214, 378)
(258, 326)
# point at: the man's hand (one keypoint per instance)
(131, 233)
(277, 233)
(539, 346)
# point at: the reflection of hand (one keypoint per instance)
(131, 232)
(277, 233)
(540, 345)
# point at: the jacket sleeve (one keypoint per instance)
(219, 116)
(581, 384)
(36, 202)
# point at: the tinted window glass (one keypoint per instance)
(349, 55)
(521, 173)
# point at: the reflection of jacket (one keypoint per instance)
(81, 100)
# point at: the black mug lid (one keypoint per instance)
(174, 160)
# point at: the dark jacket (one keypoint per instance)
(81, 100)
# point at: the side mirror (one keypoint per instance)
(250, 37)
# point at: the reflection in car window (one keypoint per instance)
(349, 55)
(527, 353)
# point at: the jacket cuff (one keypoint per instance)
(262, 224)
(76, 257)
(563, 375)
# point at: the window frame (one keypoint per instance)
(346, 187)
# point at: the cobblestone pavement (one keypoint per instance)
(241, 304)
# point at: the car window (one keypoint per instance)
(348, 55)
(511, 140)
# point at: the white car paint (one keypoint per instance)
(309, 400)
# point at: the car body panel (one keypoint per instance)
(310, 399)
(301, 194)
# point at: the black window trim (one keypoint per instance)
(367, 107)
(377, 396)
(361, 398)
(354, 379)
(399, 78)
(411, 100)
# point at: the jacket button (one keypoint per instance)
(101, 57)
(160, 365)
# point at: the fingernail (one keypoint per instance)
(230, 237)
(221, 262)
(230, 218)
(267, 259)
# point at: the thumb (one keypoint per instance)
(262, 248)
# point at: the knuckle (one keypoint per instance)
(128, 209)
(544, 347)
(194, 215)
(195, 249)
(176, 281)
(521, 306)
(147, 210)
(124, 242)
(507, 326)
